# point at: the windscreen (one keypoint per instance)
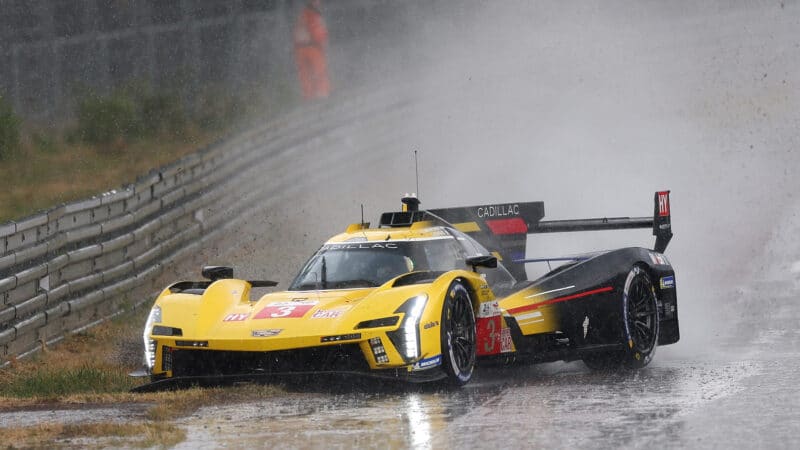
(370, 264)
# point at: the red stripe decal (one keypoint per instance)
(558, 300)
(508, 226)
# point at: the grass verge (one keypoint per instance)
(117, 137)
(94, 435)
(90, 370)
(46, 171)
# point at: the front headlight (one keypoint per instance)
(150, 344)
(406, 338)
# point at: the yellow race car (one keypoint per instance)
(426, 295)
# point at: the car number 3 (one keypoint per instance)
(488, 345)
(283, 311)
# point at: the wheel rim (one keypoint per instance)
(462, 333)
(642, 315)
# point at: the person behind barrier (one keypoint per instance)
(310, 47)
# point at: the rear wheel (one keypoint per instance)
(640, 322)
(458, 334)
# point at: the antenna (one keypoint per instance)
(416, 171)
(362, 215)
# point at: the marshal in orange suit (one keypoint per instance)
(310, 45)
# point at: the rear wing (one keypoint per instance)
(504, 228)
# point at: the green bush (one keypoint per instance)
(104, 120)
(218, 109)
(9, 129)
(44, 142)
(129, 113)
(161, 112)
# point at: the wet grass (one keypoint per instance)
(60, 383)
(46, 171)
(90, 369)
(93, 435)
(118, 137)
(155, 428)
(93, 362)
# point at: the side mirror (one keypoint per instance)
(487, 261)
(215, 273)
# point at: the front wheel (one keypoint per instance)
(640, 322)
(458, 334)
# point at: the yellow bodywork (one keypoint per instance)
(225, 317)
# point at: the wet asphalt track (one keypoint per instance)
(591, 108)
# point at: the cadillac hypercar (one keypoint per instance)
(426, 295)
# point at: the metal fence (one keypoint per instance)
(52, 52)
(80, 263)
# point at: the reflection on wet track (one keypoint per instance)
(557, 405)
(728, 393)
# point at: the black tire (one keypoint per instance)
(640, 326)
(458, 334)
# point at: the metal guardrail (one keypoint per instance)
(80, 263)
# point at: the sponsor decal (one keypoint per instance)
(277, 310)
(327, 313)
(506, 344)
(267, 333)
(360, 246)
(427, 363)
(235, 317)
(663, 203)
(667, 282)
(498, 210)
(341, 337)
(489, 309)
(432, 324)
